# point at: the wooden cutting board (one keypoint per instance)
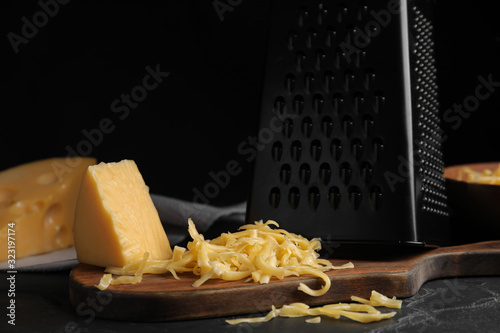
(393, 272)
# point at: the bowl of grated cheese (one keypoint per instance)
(474, 201)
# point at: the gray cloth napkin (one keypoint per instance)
(174, 214)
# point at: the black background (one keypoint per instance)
(65, 78)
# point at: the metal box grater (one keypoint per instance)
(349, 143)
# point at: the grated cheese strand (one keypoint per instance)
(363, 313)
(104, 282)
(132, 276)
(377, 299)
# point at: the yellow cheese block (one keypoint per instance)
(116, 221)
(37, 205)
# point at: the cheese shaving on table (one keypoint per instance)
(364, 313)
(256, 252)
(377, 299)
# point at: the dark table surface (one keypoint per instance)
(447, 305)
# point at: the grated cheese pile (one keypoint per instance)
(256, 252)
(364, 313)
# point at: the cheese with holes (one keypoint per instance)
(116, 221)
(37, 205)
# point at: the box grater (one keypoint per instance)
(349, 143)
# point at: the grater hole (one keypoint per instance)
(325, 173)
(334, 197)
(319, 59)
(328, 81)
(372, 28)
(300, 59)
(337, 102)
(337, 57)
(357, 102)
(378, 101)
(376, 197)
(368, 124)
(362, 12)
(357, 149)
(279, 105)
(307, 127)
(348, 79)
(296, 150)
(305, 173)
(341, 12)
(314, 197)
(330, 35)
(292, 39)
(347, 125)
(327, 126)
(355, 197)
(302, 16)
(369, 78)
(285, 174)
(298, 104)
(318, 103)
(309, 82)
(277, 151)
(316, 149)
(359, 58)
(294, 197)
(287, 128)
(322, 13)
(274, 197)
(350, 31)
(336, 149)
(366, 172)
(311, 37)
(378, 148)
(345, 173)
(290, 83)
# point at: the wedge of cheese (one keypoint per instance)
(116, 221)
(37, 206)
